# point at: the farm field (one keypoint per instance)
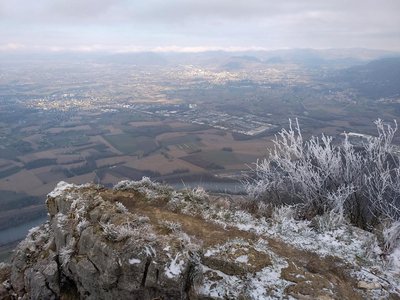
(180, 123)
(171, 150)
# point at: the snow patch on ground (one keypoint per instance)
(352, 244)
(134, 261)
(61, 187)
(228, 287)
(347, 242)
(175, 267)
(210, 252)
(244, 259)
(268, 283)
(265, 284)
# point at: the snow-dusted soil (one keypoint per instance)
(377, 275)
(224, 252)
(352, 258)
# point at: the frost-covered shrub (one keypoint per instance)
(283, 214)
(172, 226)
(134, 227)
(117, 233)
(37, 238)
(61, 220)
(147, 187)
(391, 236)
(257, 208)
(328, 221)
(334, 217)
(120, 207)
(79, 208)
(128, 184)
(340, 181)
(66, 252)
(188, 201)
(176, 201)
(283, 218)
(197, 194)
(82, 225)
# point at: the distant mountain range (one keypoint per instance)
(226, 60)
(232, 61)
(373, 73)
(376, 79)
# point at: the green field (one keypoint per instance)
(12, 200)
(64, 139)
(9, 153)
(218, 159)
(128, 144)
(225, 157)
(179, 140)
(150, 131)
(39, 163)
(9, 171)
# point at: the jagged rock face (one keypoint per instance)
(142, 240)
(93, 249)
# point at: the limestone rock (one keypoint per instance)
(145, 241)
(368, 285)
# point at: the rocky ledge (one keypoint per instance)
(142, 240)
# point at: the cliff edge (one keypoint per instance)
(142, 240)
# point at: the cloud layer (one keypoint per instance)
(115, 25)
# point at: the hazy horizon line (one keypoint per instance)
(13, 48)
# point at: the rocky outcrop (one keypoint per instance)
(142, 240)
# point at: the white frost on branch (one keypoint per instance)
(60, 188)
(120, 207)
(338, 181)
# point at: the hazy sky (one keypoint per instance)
(124, 25)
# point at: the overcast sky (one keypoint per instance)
(127, 25)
